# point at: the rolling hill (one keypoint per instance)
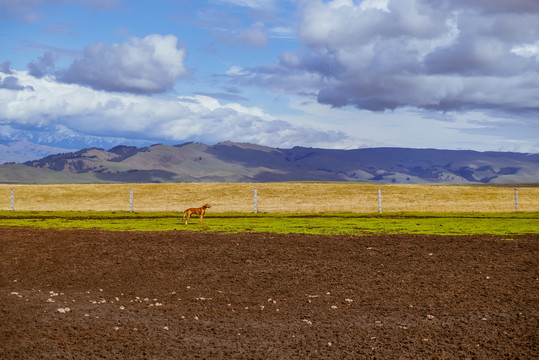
(241, 162)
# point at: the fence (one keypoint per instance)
(269, 197)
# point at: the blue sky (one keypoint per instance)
(447, 74)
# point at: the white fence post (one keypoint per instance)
(12, 201)
(256, 202)
(131, 200)
(516, 199)
(379, 200)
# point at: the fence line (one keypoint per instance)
(516, 199)
(256, 202)
(269, 197)
(131, 200)
(379, 200)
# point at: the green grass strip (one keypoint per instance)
(325, 223)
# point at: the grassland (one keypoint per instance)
(313, 208)
(272, 197)
(327, 224)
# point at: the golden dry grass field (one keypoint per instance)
(271, 197)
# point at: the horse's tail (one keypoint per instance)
(183, 218)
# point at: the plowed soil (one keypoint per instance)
(189, 295)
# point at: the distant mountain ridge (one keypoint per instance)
(243, 162)
(19, 151)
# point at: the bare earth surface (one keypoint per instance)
(189, 295)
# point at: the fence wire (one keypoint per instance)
(270, 197)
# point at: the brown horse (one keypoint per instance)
(197, 211)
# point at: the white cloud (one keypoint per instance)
(236, 71)
(282, 32)
(149, 65)
(527, 50)
(82, 110)
(374, 4)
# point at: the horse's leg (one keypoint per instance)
(187, 218)
(201, 216)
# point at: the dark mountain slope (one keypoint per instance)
(239, 162)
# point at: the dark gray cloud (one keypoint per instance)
(5, 67)
(149, 65)
(442, 55)
(492, 6)
(12, 83)
(44, 65)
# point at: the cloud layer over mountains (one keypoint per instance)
(470, 69)
(64, 110)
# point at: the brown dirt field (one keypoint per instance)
(188, 295)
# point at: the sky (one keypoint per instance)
(342, 74)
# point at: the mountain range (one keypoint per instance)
(243, 162)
